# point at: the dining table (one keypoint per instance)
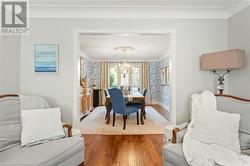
(132, 97)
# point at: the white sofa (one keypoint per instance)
(67, 151)
(172, 152)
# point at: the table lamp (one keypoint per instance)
(222, 61)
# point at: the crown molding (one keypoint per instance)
(127, 12)
(135, 10)
(234, 8)
(129, 3)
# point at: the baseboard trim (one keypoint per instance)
(164, 106)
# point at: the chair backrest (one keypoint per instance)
(232, 104)
(117, 100)
(144, 92)
(10, 125)
(106, 93)
(236, 105)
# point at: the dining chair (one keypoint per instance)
(106, 94)
(136, 103)
(144, 92)
(119, 106)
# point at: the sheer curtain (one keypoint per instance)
(145, 81)
(104, 79)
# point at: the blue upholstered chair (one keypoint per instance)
(119, 106)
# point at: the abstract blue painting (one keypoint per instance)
(46, 58)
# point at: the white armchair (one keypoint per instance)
(172, 150)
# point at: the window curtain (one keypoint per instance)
(145, 81)
(104, 80)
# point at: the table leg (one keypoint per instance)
(143, 105)
(108, 109)
(106, 116)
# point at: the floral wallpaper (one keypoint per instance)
(92, 72)
(158, 92)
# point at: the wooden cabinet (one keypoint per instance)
(85, 99)
(97, 97)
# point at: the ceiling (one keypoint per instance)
(147, 46)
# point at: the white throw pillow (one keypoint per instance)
(216, 127)
(40, 125)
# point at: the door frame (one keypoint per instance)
(76, 79)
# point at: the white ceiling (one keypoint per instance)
(147, 46)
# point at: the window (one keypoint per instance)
(125, 80)
(113, 77)
(133, 79)
(136, 76)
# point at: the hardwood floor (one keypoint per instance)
(162, 111)
(125, 150)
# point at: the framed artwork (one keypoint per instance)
(163, 76)
(168, 75)
(46, 58)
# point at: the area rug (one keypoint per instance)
(95, 123)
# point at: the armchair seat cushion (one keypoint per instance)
(173, 153)
(47, 154)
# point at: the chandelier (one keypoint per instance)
(124, 67)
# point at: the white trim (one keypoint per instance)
(172, 68)
(135, 10)
(126, 3)
(166, 107)
(76, 88)
(76, 80)
(237, 7)
(128, 12)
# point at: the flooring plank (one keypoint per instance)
(125, 150)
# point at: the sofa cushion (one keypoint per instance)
(10, 126)
(47, 154)
(239, 107)
(244, 140)
(41, 125)
(173, 153)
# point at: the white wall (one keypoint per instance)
(56, 89)
(1, 60)
(194, 37)
(9, 64)
(239, 37)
